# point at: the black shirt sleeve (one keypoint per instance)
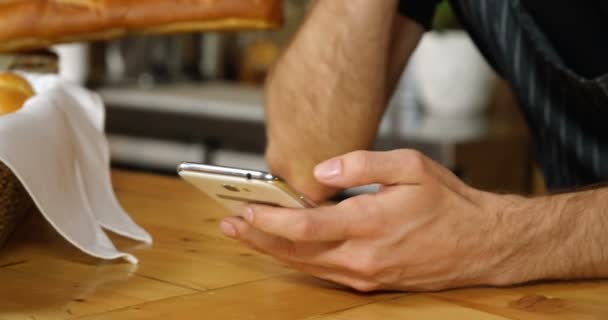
(421, 11)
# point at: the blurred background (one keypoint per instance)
(199, 97)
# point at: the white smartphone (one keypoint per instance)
(234, 188)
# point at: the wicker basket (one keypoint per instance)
(15, 203)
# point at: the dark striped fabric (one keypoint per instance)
(567, 113)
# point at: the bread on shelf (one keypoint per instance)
(31, 24)
(37, 61)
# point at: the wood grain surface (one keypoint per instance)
(192, 272)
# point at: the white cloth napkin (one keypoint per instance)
(56, 147)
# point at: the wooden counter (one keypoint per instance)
(192, 272)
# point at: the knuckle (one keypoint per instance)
(360, 162)
(365, 265)
(414, 159)
(370, 210)
(304, 229)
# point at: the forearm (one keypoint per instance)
(584, 251)
(562, 236)
(327, 93)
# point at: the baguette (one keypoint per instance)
(32, 24)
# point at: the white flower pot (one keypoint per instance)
(452, 78)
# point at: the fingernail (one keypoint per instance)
(228, 229)
(328, 169)
(248, 214)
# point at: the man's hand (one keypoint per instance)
(424, 230)
(326, 94)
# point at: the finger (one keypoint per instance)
(286, 252)
(277, 247)
(328, 223)
(237, 228)
(365, 167)
(343, 257)
(404, 166)
(339, 277)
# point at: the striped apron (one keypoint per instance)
(567, 113)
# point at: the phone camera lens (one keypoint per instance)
(230, 188)
(249, 176)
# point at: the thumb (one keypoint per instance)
(365, 167)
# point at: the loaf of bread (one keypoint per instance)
(30, 24)
(14, 91)
(38, 61)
